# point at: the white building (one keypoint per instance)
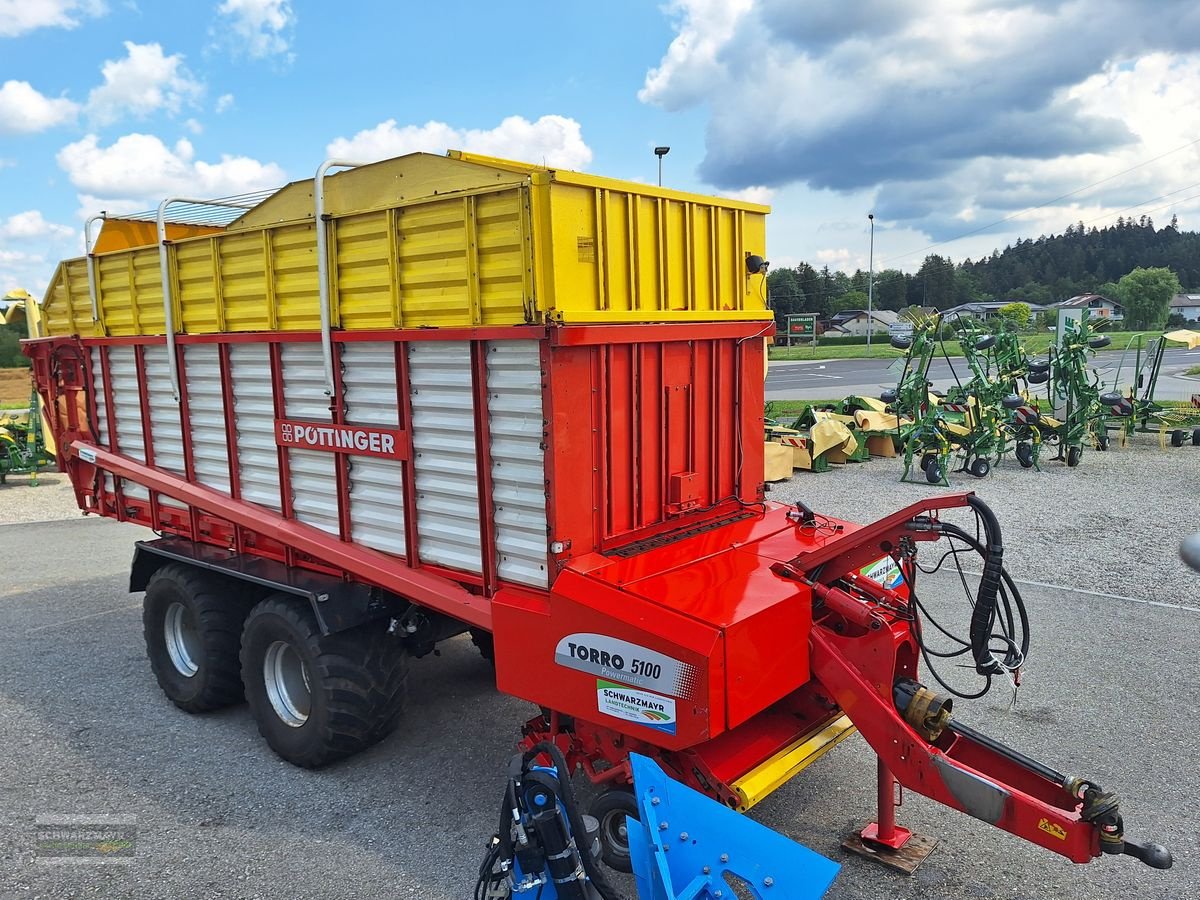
(1186, 305)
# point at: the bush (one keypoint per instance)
(11, 356)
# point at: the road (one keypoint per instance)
(85, 731)
(843, 377)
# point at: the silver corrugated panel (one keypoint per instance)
(444, 448)
(166, 429)
(210, 453)
(101, 423)
(127, 412)
(376, 485)
(313, 472)
(254, 422)
(514, 380)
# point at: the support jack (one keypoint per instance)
(884, 841)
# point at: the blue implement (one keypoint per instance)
(686, 843)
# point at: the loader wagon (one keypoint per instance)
(381, 408)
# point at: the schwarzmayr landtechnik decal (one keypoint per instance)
(652, 710)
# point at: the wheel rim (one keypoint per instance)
(286, 679)
(183, 643)
(614, 831)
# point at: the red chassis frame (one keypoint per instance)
(734, 601)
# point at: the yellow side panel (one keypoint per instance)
(115, 293)
(293, 249)
(244, 282)
(364, 266)
(55, 313)
(432, 270)
(505, 265)
(197, 280)
(650, 258)
(147, 290)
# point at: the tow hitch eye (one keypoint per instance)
(1103, 808)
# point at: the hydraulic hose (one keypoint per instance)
(984, 613)
(570, 805)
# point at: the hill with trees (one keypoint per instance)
(1044, 270)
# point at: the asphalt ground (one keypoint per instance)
(825, 379)
(1110, 692)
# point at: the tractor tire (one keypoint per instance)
(610, 810)
(933, 471)
(1024, 454)
(1178, 436)
(1074, 454)
(317, 699)
(926, 459)
(1196, 437)
(192, 624)
(1101, 440)
(1039, 377)
(980, 467)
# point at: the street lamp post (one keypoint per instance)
(660, 152)
(871, 285)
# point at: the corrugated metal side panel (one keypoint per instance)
(246, 300)
(66, 305)
(197, 276)
(166, 434)
(313, 473)
(365, 290)
(101, 423)
(444, 448)
(210, 454)
(114, 290)
(514, 381)
(254, 421)
(376, 485)
(127, 409)
(293, 284)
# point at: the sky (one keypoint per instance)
(962, 125)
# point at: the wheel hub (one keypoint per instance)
(183, 643)
(286, 680)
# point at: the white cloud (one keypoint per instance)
(753, 194)
(692, 63)
(948, 115)
(194, 126)
(23, 110)
(138, 170)
(19, 16)
(31, 225)
(224, 102)
(145, 81)
(30, 247)
(259, 28)
(552, 140)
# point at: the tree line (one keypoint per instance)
(1042, 270)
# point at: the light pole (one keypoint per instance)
(660, 152)
(871, 285)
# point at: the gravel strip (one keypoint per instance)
(1111, 525)
(53, 499)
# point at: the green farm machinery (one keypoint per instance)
(1134, 409)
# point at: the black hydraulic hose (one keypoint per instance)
(1009, 589)
(984, 614)
(571, 806)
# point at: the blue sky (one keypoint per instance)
(942, 116)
